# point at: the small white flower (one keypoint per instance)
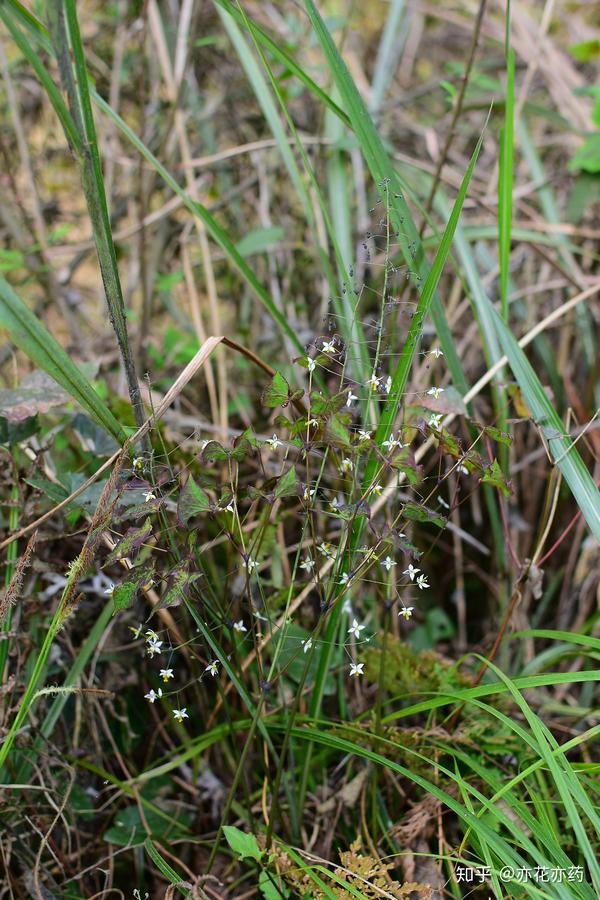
(166, 674)
(310, 364)
(435, 420)
(351, 398)
(387, 386)
(250, 564)
(422, 582)
(387, 563)
(309, 493)
(239, 626)
(364, 435)
(306, 645)
(151, 635)
(463, 469)
(344, 578)
(347, 606)
(110, 590)
(437, 352)
(393, 442)
(356, 669)
(406, 612)
(376, 489)
(136, 631)
(313, 423)
(148, 496)
(153, 695)
(346, 466)
(325, 549)
(411, 572)
(212, 668)
(259, 616)
(435, 392)
(230, 508)
(138, 463)
(328, 347)
(154, 647)
(274, 442)
(356, 629)
(180, 714)
(307, 564)
(335, 504)
(373, 381)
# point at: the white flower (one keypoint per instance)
(259, 616)
(351, 398)
(151, 635)
(373, 381)
(406, 612)
(411, 572)
(328, 347)
(356, 629)
(347, 606)
(393, 442)
(136, 631)
(346, 466)
(364, 435)
(165, 674)
(435, 420)
(435, 392)
(250, 564)
(387, 563)
(153, 695)
(274, 442)
(239, 626)
(230, 507)
(344, 578)
(422, 582)
(110, 590)
(310, 364)
(138, 463)
(334, 504)
(309, 493)
(388, 384)
(154, 647)
(325, 549)
(313, 423)
(437, 352)
(148, 495)
(356, 669)
(307, 564)
(376, 489)
(306, 645)
(463, 469)
(212, 668)
(180, 714)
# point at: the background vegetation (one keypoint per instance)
(298, 425)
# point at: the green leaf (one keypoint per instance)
(337, 432)
(31, 336)
(585, 51)
(587, 157)
(494, 476)
(192, 501)
(259, 240)
(288, 484)
(419, 514)
(277, 393)
(126, 592)
(180, 581)
(560, 445)
(245, 845)
(131, 541)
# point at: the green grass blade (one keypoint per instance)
(33, 338)
(505, 184)
(65, 35)
(561, 448)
